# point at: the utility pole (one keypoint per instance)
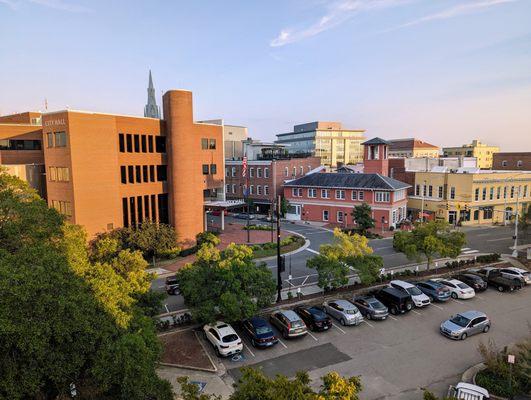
(515, 251)
(422, 202)
(505, 204)
(279, 259)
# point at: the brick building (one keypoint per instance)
(517, 161)
(412, 148)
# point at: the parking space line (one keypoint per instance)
(416, 312)
(457, 301)
(282, 343)
(312, 251)
(166, 307)
(436, 306)
(248, 349)
(339, 328)
(314, 338)
(479, 297)
(393, 318)
(368, 323)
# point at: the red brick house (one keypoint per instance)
(331, 197)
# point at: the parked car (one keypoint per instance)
(244, 216)
(458, 289)
(465, 324)
(494, 278)
(419, 298)
(315, 318)
(172, 285)
(436, 291)
(516, 273)
(288, 323)
(259, 332)
(472, 280)
(468, 391)
(395, 300)
(223, 338)
(370, 307)
(344, 311)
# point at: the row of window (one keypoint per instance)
(59, 174)
(129, 143)
(258, 190)
(325, 194)
(208, 144)
(428, 191)
(496, 192)
(56, 139)
(9, 144)
(138, 209)
(64, 207)
(260, 172)
(143, 173)
(519, 163)
(210, 169)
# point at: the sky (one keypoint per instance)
(443, 71)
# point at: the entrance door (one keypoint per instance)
(294, 212)
(452, 217)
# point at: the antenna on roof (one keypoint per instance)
(46, 104)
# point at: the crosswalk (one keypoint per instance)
(468, 250)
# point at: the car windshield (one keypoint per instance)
(297, 324)
(351, 311)
(460, 320)
(376, 305)
(231, 337)
(317, 314)
(263, 330)
(462, 286)
(414, 291)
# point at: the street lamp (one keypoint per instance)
(422, 201)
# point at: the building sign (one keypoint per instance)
(55, 122)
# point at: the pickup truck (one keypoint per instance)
(494, 278)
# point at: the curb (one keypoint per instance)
(469, 376)
(302, 248)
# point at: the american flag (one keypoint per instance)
(244, 167)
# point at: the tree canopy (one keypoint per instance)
(362, 215)
(64, 319)
(225, 284)
(428, 240)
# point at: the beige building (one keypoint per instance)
(408, 148)
(484, 153)
(471, 196)
(233, 137)
(329, 141)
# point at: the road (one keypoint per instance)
(482, 239)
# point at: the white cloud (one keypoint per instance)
(338, 13)
(11, 4)
(63, 5)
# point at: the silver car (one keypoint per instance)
(465, 324)
(344, 311)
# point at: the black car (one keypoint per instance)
(260, 332)
(172, 285)
(314, 317)
(395, 300)
(474, 281)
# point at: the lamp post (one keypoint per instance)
(422, 201)
(515, 250)
(279, 259)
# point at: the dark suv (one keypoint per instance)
(395, 300)
(472, 280)
(172, 285)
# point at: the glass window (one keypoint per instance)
(205, 169)
(491, 193)
(340, 216)
(136, 140)
(131, 173)
(204, 144)
(266, 172)
(259, 190)
(360, 195)
(129, 142)
(143, 143)
(417, 190)
(212, 144)
(251, 172)
(121, 141)
(325, 193)
(123, 173)
(258, 172)
(430, 191)
(476, 194)
(452, 192)
(266, 190)
(325, 215)
(354, 195)
(138, 174)
(145, 175)
(286, 171)
(150, 144)
(50, 139)
(512, 192)
(160, 144)
(484, 194)
(213, 169)
(340, 194)
(60, 139)
(152, 173)
(53, 174)
(162, 173)
(498, 192)
(382, 197)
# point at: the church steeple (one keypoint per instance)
(151, 110)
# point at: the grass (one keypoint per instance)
(262, 253)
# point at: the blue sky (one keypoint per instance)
(445, 71)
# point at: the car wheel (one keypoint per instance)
(342, 321)
(454, 295)
(463, 336)
(500, 288)
(409, 306)
(253, 342)
(431, 299)
(486, 329)
(368, 316)
(284, 334)
(393, 310)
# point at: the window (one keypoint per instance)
(296, 192)
(302, 170)
(258, 172)
(430, 191)
(476, 194)
(487, 213)
(504, 163)
(145, 175)
(64, 207)
(50, 139)
(476, 215)
(227, 188)
(266, 172)
(121, 141)
(204, 144)
(491, 193)
(512, 192)
(143, 143)
(213, 169)
(152, 173)
(354, 195)
(452, 192)
(525, 191)
(150, 145)
(125, 212)
(505, 192)
(399, 195)
(138, 174)
(205, 169)
(53, 174)
(340, 194)
(162, 173)
(60, 139)
(123, 173)
(251, 189)
(131, 173)
(360, 195)
(233, 171)
(325, 215)
(498, 191)
(325, 193)
(160, 144)
(251, 172)
(417, 190)
(227, 172)
(484, 194)
(424, 187)
(136, 141)
(129, 142)
(259, 190)
(382, 197)
(212, 144)
(286, 171)
(294, 171)
(519, 163)
(266, 190)
(233, 188)
(340, 216)
(312, 193)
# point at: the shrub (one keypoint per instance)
(170, 253)
(207, 238)
(258, 228)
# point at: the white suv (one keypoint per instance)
(223, 338)
(516, 273)
(458, 289)
(419, 298)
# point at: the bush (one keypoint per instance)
(207, 238)
(258, 228)
(495, 384)
(170, 254)
(488, 258)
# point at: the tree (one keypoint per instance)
(225, 284)
(203, 238)
(347, 253)
(362, 215)
(428, 240)
(190, 391)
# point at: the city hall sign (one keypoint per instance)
(55, 122)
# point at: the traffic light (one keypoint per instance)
(466, 208)
(447, 206)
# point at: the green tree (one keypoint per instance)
(225, 284)
(203, 238)
(428, 240)
(362, 215)
(347, 253)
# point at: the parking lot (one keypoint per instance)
(399, 356)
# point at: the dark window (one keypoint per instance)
(163, 208)
(213, 169)
(152, 173)
(6, 144)
(139, 213)
(131, 173)
(60, 139)
(137, 143)
(50, 139)
(143, 142)
(205, 169)
(129, 142)
(487, 213)
(212, 144)
(132, 211)
(138, 174)
(123, 173)
(145, 173)
(162, 173)
(160, 144)
(146, 206)
(150, 143)
(204, 144)
(121, 140)
(476, 215)
(125, 212)
(153, 208)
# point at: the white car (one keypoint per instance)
(458, 289)
(223, 338)
(515, 273)
(419, 298)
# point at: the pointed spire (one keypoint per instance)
(150, 81)
(151, 110)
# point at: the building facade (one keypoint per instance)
(483, 153)
(329, 141)
(408, 148)
(470, 198)
(517, 161)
